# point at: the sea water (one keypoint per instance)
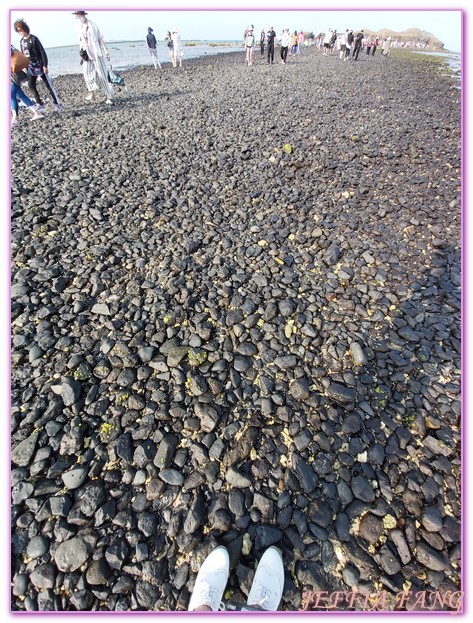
(130, 54)
(453, 59)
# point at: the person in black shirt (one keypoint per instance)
(38, 68)
(358, 43)
(270, 37)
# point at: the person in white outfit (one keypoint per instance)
(265, 592)
(177, 50)
(93, 53)
(386, 46)
(249, 45)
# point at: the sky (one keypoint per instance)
(429, 15)
(57, 28)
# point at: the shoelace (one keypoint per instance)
(263, 596)
(207, 595)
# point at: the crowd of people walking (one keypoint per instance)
(30, 63)
(349, 46)
(96, 68)
(290, 44)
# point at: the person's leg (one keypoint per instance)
(32, 81)
(102, 79)
(268, 582)
(211, 581)
(152, 53)
(88, 71)
(14, 101)
(17, 92)
(49, 85)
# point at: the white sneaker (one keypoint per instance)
(58, 108)
(40, 107)
(90, 96)
(109, 102)
(268, 583)
(211, 580)
(36, 115)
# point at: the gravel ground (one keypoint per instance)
(236, 320)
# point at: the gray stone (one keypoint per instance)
(300, 389)
(341, 393)
(21, 492)
(75, 477)
(359, 357)
(237, 479)
(43, 576)
(101, 309)
(362, 489)
(171, 476)
(71, 555)
(37, 547)
(23, 452)
(430, 557)
(432, 519)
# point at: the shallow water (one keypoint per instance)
(129, 54)
(453, 59)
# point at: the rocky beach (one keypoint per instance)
(236, 320)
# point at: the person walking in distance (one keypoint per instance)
(33, 49)
(177, 50)
(358, 43)
(270, 37)
(300, 41)
(151, 43)
(375, 45)
(262, 39)
(249, 45)
(93, 53)
(350, 39)
(285, 43)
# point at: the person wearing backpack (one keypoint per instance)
(18, 75)
(33, 49)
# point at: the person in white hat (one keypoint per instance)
(93, 53)
(249, 45)
(177, 50)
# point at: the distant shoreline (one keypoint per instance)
(184, 42)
